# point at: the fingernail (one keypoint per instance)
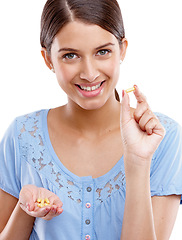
(135, 86)
(59, 210)
(123, 92)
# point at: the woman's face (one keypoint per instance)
(86, 59)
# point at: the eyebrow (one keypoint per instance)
(68, 49)
(105, 45)
(75, 50)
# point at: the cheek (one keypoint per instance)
(65, 74)
(112, 69)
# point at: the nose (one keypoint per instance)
(89, 71)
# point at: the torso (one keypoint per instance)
(84, 156)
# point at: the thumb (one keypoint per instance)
(125, 108)
(26, 199)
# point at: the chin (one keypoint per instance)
(92, 105)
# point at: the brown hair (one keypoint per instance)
(57, 13)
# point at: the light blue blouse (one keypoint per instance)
(93, 208)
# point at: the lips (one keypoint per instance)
(90, 90)
(91, 87)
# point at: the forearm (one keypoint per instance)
(19, 225)
(138, 220)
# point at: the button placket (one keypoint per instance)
(88, 210)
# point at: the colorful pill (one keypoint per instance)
(46, 200)
(43, 202)
(130, 90)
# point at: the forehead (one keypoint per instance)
(80, 35)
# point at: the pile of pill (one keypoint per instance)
(43, 202)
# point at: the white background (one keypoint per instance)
(153, 61)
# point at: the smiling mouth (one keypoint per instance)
(90, 88)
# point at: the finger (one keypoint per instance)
(50, 214)
(140, 97)
(41, 212)
(140, 110)
(36, 212)
(26, 199)
(54, 212)
(142, 105)
(145, 118)
(125, 108)
(55, 200)
(151, 125)
(154, 126)
(30, 206)
(58, 203)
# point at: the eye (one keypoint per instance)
(69, 56)
(103, 52)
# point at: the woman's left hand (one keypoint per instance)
(141, 131)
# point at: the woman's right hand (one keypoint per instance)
(28, 202)
(141, 131)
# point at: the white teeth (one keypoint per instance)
(89, 89)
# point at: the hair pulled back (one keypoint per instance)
(57, 13)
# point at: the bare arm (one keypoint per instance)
(13, 219)
(165, 209)
(18, 216)
(138, 221)
(145, 218)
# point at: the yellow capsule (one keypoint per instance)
(130, 90)
(46, 200)
(40, 205)
(39, 200)
(43, 202)
(47, 204)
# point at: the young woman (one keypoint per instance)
(109, 171)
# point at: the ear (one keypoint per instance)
(47, 58)
(123, 48)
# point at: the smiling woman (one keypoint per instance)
(93, 168)
(86, 67)
(65, 12)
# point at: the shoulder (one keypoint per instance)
(167, 122)
(33, 116)
(166, 166)
(29, 130)
(171, 145)
(173, 129)
(30, 122)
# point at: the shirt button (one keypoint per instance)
(87, 237)
(88, 205)
(89, 189)
(87, 221)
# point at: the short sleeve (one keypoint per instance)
(9, 162)
(166, 167)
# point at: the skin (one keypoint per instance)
(96, 125)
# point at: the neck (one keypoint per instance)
(97, 121)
